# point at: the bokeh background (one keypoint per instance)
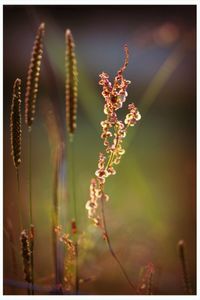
(153, 195)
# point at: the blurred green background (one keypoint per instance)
(153, 195)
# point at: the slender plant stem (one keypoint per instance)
(19, 205)
(110, 246)
(55, 215)
(31, 208)
(73, 190)
(73, 198)
(30, 176)
(18, 202)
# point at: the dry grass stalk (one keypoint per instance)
(55, 214)
(181, 253)
(71, 90)
(71, 87)
(33, 76)
(55, 137)
(16, 124)
(16, 135)
(56, 186)
(32, 86)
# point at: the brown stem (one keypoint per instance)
(73, 199)
(30, 208)
(110, 247)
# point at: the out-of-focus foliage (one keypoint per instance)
(152, 197)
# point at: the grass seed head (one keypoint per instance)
(26, 255)
(32, 84)
(16, 124)
(71, 86)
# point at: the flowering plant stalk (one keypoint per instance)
(113, 133)
(71, 92)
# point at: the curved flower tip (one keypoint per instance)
(126, 59)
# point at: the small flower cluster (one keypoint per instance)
(113, 133)
(133, 115)
(65, 238)
(96, 194)
(69, 261)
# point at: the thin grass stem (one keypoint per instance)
(110, 246)
(30, 207)
(18, 202)
(55, 215)
(30, 175)
(73, 199)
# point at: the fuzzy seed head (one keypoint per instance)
(71, 86)
(16, 124)
(26, 255)
(33, 76)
